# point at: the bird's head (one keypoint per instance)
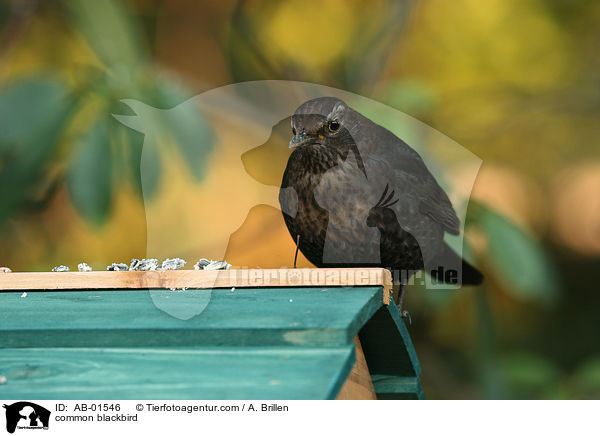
(322, 127)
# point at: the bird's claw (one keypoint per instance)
(406, 315)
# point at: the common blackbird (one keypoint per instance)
(353, 194)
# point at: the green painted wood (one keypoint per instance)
(263, 343)
(130, 318)
(397, 388)
(391, 356)
(262, 373)
(392, 352)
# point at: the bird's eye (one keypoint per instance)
(334, 125)
(294, 131)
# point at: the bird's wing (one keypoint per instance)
(413, 176)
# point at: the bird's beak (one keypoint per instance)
(299, 139)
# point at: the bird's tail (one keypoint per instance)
(452, 269)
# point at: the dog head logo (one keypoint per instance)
(26, 415)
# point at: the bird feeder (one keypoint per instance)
(263, 334)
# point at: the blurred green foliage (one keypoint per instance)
(37, 111)
(33, 112)
(516, 258)
(515, 82)
(89, 175)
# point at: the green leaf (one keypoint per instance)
(128, 144)
(145, 160)
(89, 175)
(33, 112)
(178, 120)
(193, 136)
(187, 125)
(519, 261)
(461, 246)
(30, 107)
(109, 30)
(150, 167)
